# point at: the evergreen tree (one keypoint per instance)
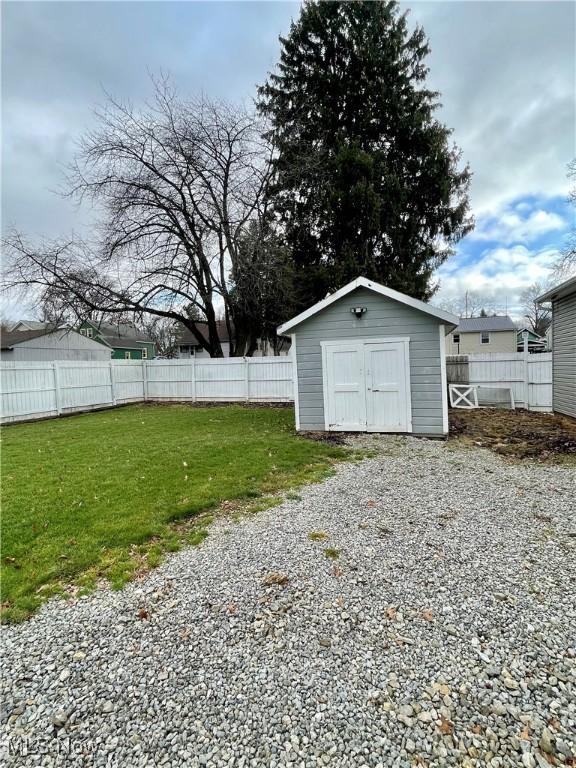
(365, 181)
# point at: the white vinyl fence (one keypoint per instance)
(39, 390)
(528, 375)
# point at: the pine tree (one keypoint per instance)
(365, 182)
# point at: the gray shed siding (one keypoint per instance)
(564, 355)
(384, 317)
(60, 345)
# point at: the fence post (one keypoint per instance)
(112, 390)
(193, 378)
(57, 393)
(145, 379)
(526, 373)
(247, 378)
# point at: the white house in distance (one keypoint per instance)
(49, 345)
(187, 344)
(482, 334)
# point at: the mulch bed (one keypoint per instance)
(519, 433)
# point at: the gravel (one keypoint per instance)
(443, 633)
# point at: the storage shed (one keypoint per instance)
(370, 359)
(563, 299)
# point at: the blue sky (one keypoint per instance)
(505, 71)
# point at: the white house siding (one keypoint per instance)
(384, 317)
(61, 345)
(471, 344)
(564, 355)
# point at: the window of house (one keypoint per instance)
(144, 353)
(456, 338)
(485, 337)
(83, 332)
(127, 355)
(89, 332)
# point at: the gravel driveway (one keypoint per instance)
(443, 634)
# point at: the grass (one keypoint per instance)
(106, 495)
(317, 535)
(331, 553)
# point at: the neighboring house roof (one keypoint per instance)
(185, 336)
(122, 330)
(121, 335)
(530, 333)
(362, 282)
(33, 325)
(123, 343)
(11, 338)
(564, 289)
(472, 324)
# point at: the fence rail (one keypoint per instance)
(528, 375)
(41, 390)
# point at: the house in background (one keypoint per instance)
(482, 334)
(125, 340)
(49, 345)
(187, 344)
(35, 325)
(563, 299)
(535, 343)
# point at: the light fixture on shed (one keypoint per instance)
(358, 311)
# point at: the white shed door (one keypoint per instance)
(367, 386)
(346, 387)
(386, 387)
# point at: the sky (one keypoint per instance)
(505, 70)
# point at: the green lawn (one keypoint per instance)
(97, 495)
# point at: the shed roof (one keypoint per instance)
(11, 338)
(361, 282)
(564, 289)
(498, 323)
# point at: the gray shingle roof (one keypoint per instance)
(471, 324)
(124, 342)
(186, 337)
(10, 338)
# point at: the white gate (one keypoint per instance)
(367, 385)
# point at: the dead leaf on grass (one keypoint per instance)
(427, 614)
(143, 614)
(391, 613)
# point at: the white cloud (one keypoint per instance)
(507, 90)
(510, 227)
(498, 275)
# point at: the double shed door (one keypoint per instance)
(367, 385)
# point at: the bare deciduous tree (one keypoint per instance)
(177, 183)
(565, 267)
(470, 305)
(538, 316)
(162, 331)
